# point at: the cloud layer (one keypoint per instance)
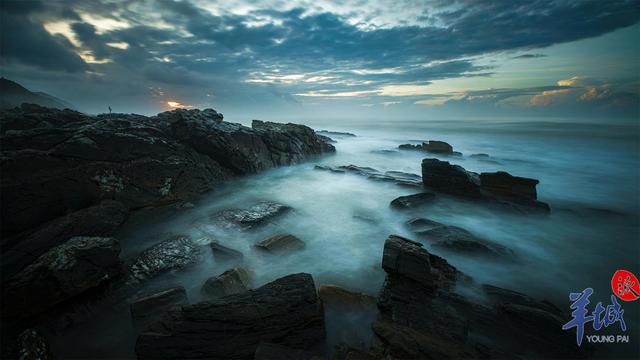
(278, 53)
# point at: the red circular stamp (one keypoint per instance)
(625, 285)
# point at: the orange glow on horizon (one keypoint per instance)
(177, 105)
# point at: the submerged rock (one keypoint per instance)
(172, 254)
(60, 274)
(479, 156)
(335, 133)
(223, 253)
(397, 177)
(456, 239)
(155, 305)
(232, 281)
(284, 312)
(412, 201)
(281, 243)
(253, 217)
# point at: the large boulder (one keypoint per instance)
(284, 312)
(422, 315)
(499, 188)
(432, 146)
(102, 220)
(60, 274)
(172, 254)
(232, 281)
(451, 179)
(280, 244)
(412, 201)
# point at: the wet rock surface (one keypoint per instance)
(150, 307)
(250, 218)
(333, 294)
(65, 271)
(271, 351)
(58, 161)
(422, 317)
(412, 201)
(286, 312)
(396, 177)
(232, 281)
(456, 239)
(432, 146)
(32, 346)
(223, 253)
(171, 254)
(101, 220)
(280, 244)
(500, 188)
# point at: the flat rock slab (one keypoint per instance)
(65, 271)
(232, 281)
(281, 243)
(286, 312)
(172, 254)
(154, 306)
(412, 201)
(459, 240)
(397, 177)
(253, 217)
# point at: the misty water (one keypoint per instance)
(589, 174)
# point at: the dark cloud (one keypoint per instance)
(25, 40)
(176, 43)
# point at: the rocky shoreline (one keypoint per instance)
(70, 181)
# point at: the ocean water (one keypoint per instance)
(589, 174)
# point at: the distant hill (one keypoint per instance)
(13, 94)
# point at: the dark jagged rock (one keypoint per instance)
(271, 351)
(285, 312)
(153, 306)
(101, 220)
(232, 281)
(223, 253)
(451, 179)
(65, 271)
(172, 254)
(32, 346)
(412, 201)
(280, 244)
(58, 161)
(499, 188)
(423, 318)
(397, 177)
(511, 187)
(432, 146)
(253, 217)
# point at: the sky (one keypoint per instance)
(288, 59)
